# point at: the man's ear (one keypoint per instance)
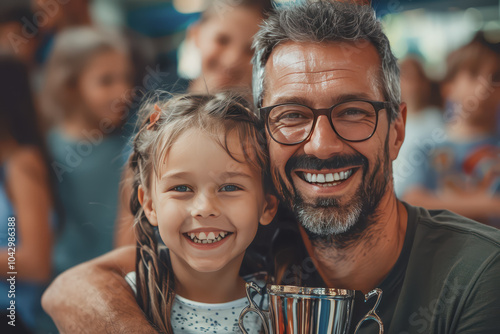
(270, 209)
(147, 205)
(398, 131)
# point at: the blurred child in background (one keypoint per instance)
(424, 117)
(463, 171)
(26, 201)
(223, 39)
(87, 75)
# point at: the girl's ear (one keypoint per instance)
(270, 209)
(147, 205)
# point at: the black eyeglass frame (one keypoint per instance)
(377, 106)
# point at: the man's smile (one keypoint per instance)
(326, 178)
(323, 182)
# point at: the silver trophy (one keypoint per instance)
(302, 310)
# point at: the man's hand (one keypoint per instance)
(94, 297)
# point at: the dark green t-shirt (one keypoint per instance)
(446, 280)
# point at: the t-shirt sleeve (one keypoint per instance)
(481, 312)
(130, 278)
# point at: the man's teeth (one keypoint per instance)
(327, 178)
(203, 238)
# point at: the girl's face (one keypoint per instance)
(225, 41)
(207, 206)
(102, 86)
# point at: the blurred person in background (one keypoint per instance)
(28, 29)
(462, 173)
(424, 117)
(86, 76)
(13, 39)
(53, 17)
(223, 38)
(26, 195)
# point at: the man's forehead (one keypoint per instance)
(314, 57)
(293, 64)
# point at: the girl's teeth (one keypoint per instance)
(203, 238)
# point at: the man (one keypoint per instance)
(328, 87)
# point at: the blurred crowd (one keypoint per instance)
(69, 91)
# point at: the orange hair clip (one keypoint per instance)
(154, 117)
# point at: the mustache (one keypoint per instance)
(336, 162)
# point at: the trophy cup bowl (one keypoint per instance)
(305, 310)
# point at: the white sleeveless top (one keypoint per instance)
(190, 317)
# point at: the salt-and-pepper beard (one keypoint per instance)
(326, 220)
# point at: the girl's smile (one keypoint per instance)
(207, 241)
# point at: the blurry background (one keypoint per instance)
(428, 28)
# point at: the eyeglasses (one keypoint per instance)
(292, 124)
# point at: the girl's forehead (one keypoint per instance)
(200, 150)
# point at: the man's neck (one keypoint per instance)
(364, 264)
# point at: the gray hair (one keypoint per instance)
(325, 21)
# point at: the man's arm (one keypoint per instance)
(94, 297)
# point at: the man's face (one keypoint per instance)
(320, 75)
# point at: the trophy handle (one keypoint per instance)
(252, 307)
(372, 314)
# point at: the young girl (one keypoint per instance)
(87, 76)
(199, 163)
